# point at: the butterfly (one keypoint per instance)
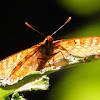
(45, 54)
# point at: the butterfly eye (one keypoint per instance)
(46, 41)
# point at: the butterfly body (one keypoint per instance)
(46, 51)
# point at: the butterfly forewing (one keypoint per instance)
(30, 63)
(9, 64)
(80, 47)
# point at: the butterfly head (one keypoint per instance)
(48, 40)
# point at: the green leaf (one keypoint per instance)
(38, 79)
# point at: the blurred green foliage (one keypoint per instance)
(90, 29)
(82, 82)
(81, 7)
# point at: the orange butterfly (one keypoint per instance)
(45, 54)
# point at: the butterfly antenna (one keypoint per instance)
(34, 29)
(62, 26)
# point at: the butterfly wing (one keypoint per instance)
(33, 61)
(9, 63)
(73, 49)
(80, 47)
(16, 66)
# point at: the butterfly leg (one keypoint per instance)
(55, 56)
(61, 49)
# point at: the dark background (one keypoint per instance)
(44, 15)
